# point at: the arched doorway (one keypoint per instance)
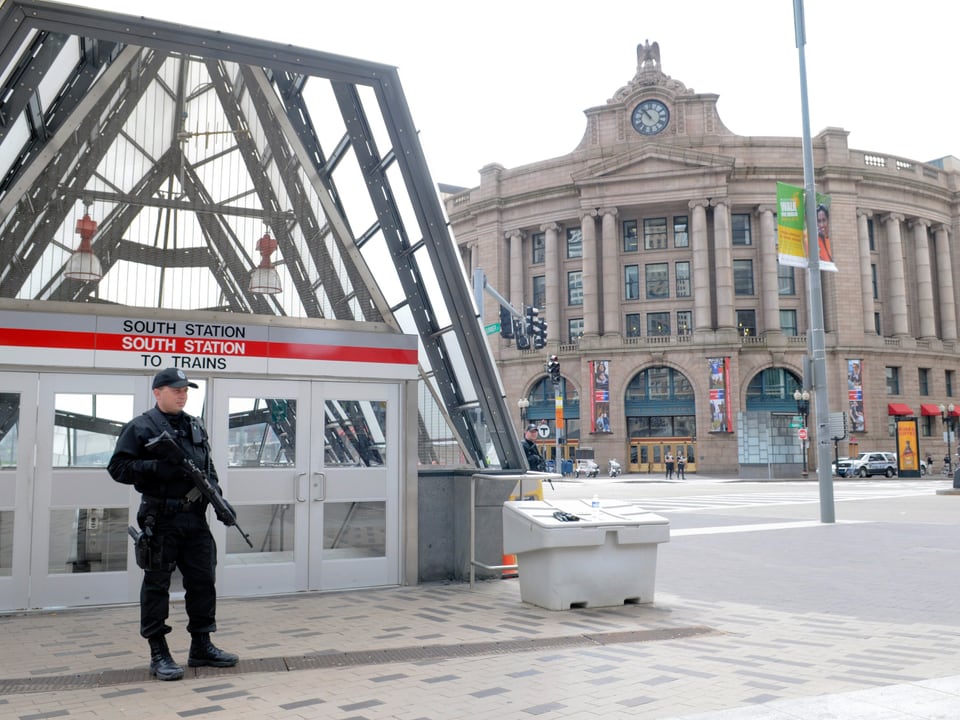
(543, 412)
(660, 408)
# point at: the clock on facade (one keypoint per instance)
(650, 117)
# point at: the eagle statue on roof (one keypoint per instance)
(648, 56)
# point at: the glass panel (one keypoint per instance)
(655, 234)
(355, 432)
(6, 542)
(681, 238)
(574, 243)
(86, 427)
(9, 433)
(354, 529)
(88, 540)
(630, 236)
(263, 432)
(658, 379)
(271, 529)
(658, 280)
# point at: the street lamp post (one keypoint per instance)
(523, 404)
(802, 398)
(946, 414)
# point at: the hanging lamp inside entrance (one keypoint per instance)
(83, 264)
(265, 280)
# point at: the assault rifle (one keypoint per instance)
(164, 446)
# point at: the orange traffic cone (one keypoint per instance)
(510, 572)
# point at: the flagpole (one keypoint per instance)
(815, 335)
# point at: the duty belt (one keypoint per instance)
(173, 505)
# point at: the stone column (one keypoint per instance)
(924, 279)
(610, 278)
(723, 265)
(516, 291)
(591, 283)
(947, 299)
(896, 282)
(702, 316)
(866, 272)
(770, 282)
(551, 281)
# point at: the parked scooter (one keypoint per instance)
(613, 468)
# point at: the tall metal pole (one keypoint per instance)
(815, 339)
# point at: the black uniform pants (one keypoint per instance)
(186, 544)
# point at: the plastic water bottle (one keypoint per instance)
(595, 505)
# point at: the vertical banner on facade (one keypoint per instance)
(720, 410)
(855, 394)
(792, 231)
(908, 451)
(600, 392)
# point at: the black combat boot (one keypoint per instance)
(161, 664)
(203, 652)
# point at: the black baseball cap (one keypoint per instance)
(530, 427)
(172, 377)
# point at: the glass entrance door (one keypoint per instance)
(312, 469)
(18, 398)
(81, 552)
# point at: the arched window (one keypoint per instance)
(772, 390)
(659, 402)
(543, 405)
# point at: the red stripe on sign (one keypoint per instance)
(24, 337)
(342, 353)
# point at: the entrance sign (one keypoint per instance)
(128, 342)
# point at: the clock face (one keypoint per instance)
(650, 117)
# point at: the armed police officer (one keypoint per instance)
(172, 516)
(530, 449)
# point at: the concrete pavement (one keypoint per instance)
(760, 612)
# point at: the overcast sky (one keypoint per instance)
(507, 81)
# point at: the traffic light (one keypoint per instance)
(506, 323)
(553, 368)
(522, 341)
(531, 316)
(539, 333)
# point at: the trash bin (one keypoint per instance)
(599, 560)
(567, 467)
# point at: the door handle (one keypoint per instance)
(320, 485)
(297, 485)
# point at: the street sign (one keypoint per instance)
(796, 421)
(543, 431)
(492, 328)
(802, 433)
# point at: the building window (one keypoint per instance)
(540, 291)
(630, 237)
(876, 323)
(658, 281)
(873, 280)
(870, 240)
(948, 381)
(681, 232)
(923, 375)
(893, 381)
(631, 282)
(788, 322)
(786, 280)
(575, 288)
(926, 428)
(740, 225)
(655, 234)
(574, 243)
(684, 322)
(658, 323)
(743, 277)
(538, 243)
(633, 324)
(747, 322)
(575, 329)
(682, 272)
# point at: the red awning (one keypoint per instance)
(901, 409)
(926, 409)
